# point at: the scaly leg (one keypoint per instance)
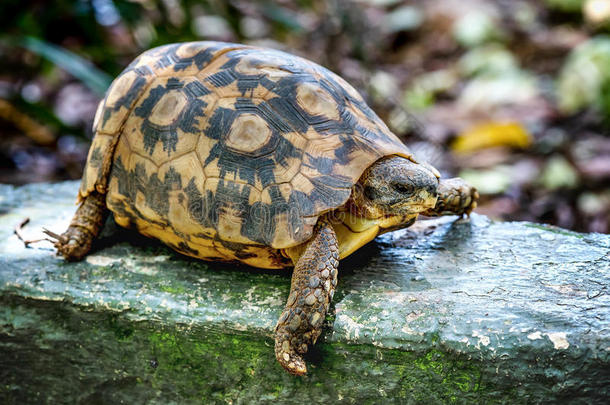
(87, 223)
(455, 197)
(313, 284)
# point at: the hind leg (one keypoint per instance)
(86, 225)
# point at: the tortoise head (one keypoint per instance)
(395, 187)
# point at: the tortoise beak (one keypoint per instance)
(429, 190)
(428, 199)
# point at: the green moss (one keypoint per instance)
(122, 331)
(173, 289)
(123, 360)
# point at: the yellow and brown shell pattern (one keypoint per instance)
(230, 152)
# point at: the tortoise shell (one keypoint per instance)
(230, 152)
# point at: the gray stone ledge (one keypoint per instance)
(444, 312)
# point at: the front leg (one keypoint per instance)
(314, 279)
(455, 197)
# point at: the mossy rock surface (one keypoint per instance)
(469, 311)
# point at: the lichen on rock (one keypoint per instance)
(445, 311)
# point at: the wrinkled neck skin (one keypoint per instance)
(392, 192)
(389, 195)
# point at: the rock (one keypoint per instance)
(489, 91)
(585, 77)
(476, 27)
(468, 311)
(597, 12)
(494, 180)
(422, 91)
(493, 59)
(404, 18)
(212, 26)
(383, 86)
(559, 173)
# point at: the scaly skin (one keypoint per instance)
(86, 224)
(314, 280)
(392, 190)
(455, 197)
(393, 186)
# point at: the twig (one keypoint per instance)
(18, 231)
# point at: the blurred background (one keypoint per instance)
(512, 95)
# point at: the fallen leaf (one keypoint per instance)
(492, 134)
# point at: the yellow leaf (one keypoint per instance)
(492, 134)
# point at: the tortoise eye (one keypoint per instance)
(369, 192)
(402, 188)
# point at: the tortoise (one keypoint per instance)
(235, 153)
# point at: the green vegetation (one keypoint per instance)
(436, 73)
(143, 361)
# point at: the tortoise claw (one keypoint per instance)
(289, 359)
(456, 197)
(55, 236)
(73, 244)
